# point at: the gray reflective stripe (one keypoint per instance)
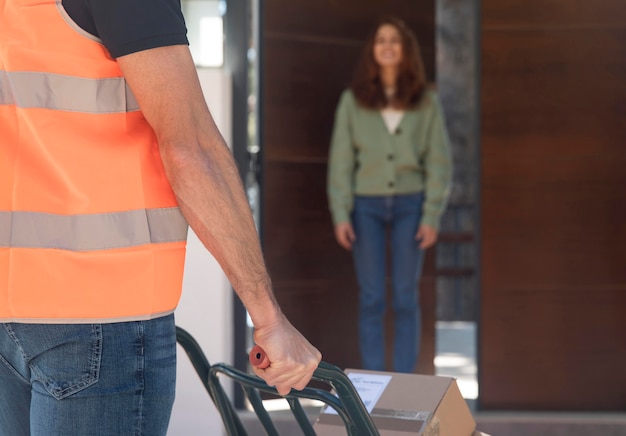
(92, 232)
(146, 317)
(28, 89)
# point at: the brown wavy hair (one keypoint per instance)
(366, 84)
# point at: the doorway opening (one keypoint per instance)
(457, 252)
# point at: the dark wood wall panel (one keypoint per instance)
(553, 201)
(346, 20)
(309, 51)
(552, 14)
(304, 91)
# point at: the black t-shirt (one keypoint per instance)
(129, 26)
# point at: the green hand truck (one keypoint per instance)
(347, 403)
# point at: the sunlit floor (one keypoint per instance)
(455, 355)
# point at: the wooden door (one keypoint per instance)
(553, 227)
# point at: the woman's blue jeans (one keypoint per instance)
(87, 379)
(376, 220)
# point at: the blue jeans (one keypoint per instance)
(376, 219)
(87, 379)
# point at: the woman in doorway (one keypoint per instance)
(388, 181)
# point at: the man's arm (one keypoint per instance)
(203, 175)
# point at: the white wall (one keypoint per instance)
(205, 309)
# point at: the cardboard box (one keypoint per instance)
(405, 405)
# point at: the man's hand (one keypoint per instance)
(344, 233)
(292, 358)
(427, 235)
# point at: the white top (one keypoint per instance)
(392, 118)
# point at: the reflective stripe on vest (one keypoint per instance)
(92, 232)
(27, 89)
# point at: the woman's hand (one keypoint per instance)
(345, 235)
(427, 235)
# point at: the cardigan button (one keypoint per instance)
(390, 156)
(391, 184)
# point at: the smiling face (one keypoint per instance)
(388, 47)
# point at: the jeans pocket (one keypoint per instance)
(64, 358)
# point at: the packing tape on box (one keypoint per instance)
(405, 420)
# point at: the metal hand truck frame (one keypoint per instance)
(347, 402)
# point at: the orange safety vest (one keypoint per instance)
(90, 230)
